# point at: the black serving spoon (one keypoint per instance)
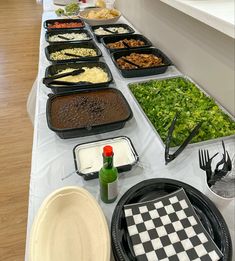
(73, 55)
(65, 38)
(109, 31)
(126, 45)
(49, 80)
(127, 61)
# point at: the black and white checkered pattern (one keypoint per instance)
(168, 229)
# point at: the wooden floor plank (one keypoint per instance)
(19, 45)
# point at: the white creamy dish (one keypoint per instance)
(93, 75)
(117, 30)
(69, 36)
(89, 156)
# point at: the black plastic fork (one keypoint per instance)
(220, 173)
(205, 162)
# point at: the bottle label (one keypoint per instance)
(112, 190)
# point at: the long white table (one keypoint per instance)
(52, 157)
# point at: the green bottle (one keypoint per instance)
(108, 177)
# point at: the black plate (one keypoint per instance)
(115, 38)
(58, 47)
(65, 31)
(54, 69)
(85, 131)
(208, 214)
(52, 21)
(98, 37)
(140, 72)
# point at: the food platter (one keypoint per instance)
(55, 69)
(88, 156)
(226, 113)
(107, 40)
(98, 111)
(97, 16)
(208, 214)
(144, 71)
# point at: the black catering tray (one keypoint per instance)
(95, 174)
(67, 20)
(98, 37)
(140, 72)
(65, 31)
(58, 47)
(93, 129)
(115, 38)
(54, 69)
(208, 214)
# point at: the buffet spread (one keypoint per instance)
(106, 84)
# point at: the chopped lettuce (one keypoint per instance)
(161, 99)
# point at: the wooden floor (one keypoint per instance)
(19, 42)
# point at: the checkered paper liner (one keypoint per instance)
(168, 229)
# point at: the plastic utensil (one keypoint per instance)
(48, 80)
(169, 157)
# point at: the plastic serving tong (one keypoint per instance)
(169, 157)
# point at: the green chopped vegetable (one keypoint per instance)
(71, 9)
(161, 99)
(59, 12)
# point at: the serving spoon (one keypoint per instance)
(109, 31)
(127, 61)
(48, 80)
(65, 38)
(73, 55)
(126, 45)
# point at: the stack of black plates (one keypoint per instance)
(151, 189)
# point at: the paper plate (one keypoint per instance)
(208, 214)
(70, 225)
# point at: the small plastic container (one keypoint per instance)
(140, 72)
(98, 37)
(53, 21)
(58, 47)
(65, 106)
(112, 39)
(88, 156)
(54, 69)
(67, 31)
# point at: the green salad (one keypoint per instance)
(162, 99)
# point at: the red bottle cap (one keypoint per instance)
(108, 151)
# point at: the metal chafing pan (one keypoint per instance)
(201, 143)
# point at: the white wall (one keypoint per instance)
(199, 51)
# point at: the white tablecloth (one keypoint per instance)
(52, 157)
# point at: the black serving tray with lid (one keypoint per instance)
(67, 20)
(104, 142)
(91, 130)
(209, 215)
(67, 31)
(58, 47)
(54, 69)
(115, 38)
(98, 37)
(140, 72)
